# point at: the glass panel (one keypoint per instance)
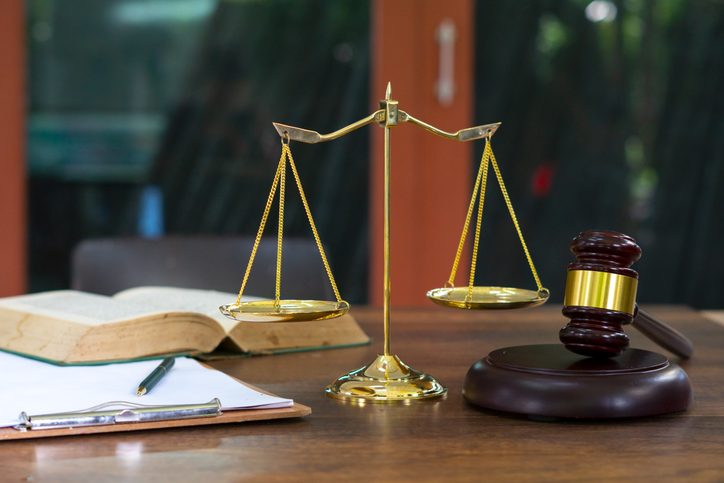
(128, 95)
(612, 118)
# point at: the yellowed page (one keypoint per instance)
(71, 326)
(79, 307)
(206, 302)
(260, 338)
(38, 335)
(170, 333)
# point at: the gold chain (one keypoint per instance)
(264, 217)
(515, 221)
(282, 184)
(480, 216)
(279, 180)
(451, 281)
(480, 184)
(311, 222)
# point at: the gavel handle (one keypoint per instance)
(662, 333)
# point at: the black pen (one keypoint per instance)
(155, 376)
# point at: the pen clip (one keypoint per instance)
(128, 413)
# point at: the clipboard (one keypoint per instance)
(232, 416)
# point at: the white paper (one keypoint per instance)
(40, 388)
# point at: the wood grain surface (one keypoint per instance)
(437, 440)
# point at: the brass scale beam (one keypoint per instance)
(312, 137)
(387, 116)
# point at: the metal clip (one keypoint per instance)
(125, 412)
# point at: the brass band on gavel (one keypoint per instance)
(603, 290)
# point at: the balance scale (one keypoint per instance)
(532, 373)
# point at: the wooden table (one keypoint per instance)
(441, 440)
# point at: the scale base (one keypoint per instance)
(549, 381)
(385, 379)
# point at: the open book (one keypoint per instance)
(72, 327)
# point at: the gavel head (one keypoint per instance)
(600, 293)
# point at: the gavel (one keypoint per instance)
(601, 298)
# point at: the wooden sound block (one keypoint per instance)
(550, 381)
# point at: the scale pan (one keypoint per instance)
(285, 311)
(487, 298)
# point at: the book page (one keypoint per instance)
(166, 299)
(80, 307)
(40, 388)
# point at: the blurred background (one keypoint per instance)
(153, 117)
